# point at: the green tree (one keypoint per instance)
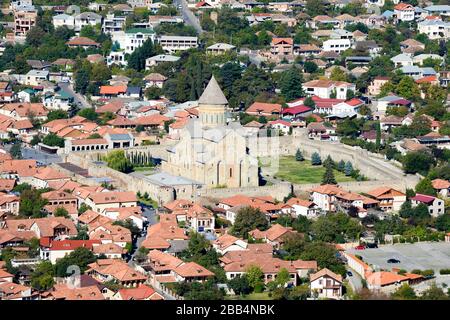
(417, 162)
(348, 170)
(434, 293)
(240, 285)
(42, 276)
(80, 257)
(405, 292)
(408, 89)
(341, 166)
(425, 187)
(61, 212)
(254, 276)
(291, 84)
(299, 155)
(137, 59)
(118, 161)
(53, 140)
(315, 159)
(16, 150)
(57, 114)
(31, 203)
(310, 67)
(328, 176)
(88, 113)
(248, 219)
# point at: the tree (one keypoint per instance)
(434, 293)
(443, 222)
(378, 136)
(291, 84)
(254, 276)
(417, 162)
(337, 227)
(31, 203)
(341, 166)
(405, 292)
(88, 113)
(325, 255)
(337, 74)
(240, 285)
(136, 60)
(408, 89)
(299, 155)
(153, 93)
(425, 187)
(53, 140)
(283, 277)
(16, 150)
(61, 212)
(80, 257)
(35, 36)
(328, 176)
(315, 8)
(406, 210)
(310, 67)
(42, 276)
(57, 114)
(348, 170)
(81, 81)
(315, 159)
(118, 161)
(248, 219)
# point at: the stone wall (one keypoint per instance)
(278, 191)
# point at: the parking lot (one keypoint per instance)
(424, 255)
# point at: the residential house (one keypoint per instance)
(325, 284)
(404, 12)
(389, 198)
(434, 204)
(264, 109)
(441, 186)
(106, 270)
(326, 88)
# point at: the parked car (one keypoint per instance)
(392, 260)
(349, 273)
(360, 247)
(372, 245)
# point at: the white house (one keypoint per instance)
(132, 39)
(404, 12)
(326, 284)
(85, 19)
(303, 208)
(177, 43)
(434, 29)
(336, 45)
(35, 77)
(325, 88)
(63, 20)
(435, 205)
(227, 243)
(402, 60)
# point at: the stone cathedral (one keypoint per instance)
(211, 150)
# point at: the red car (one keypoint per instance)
(360, 247)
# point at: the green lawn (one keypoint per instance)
(303, 172)
(251, 296)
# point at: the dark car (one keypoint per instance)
(372, 245)
(349, 273)
(392, 260)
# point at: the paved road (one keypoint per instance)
(355, 280)
(79, 99)
(188, 17)
(422, 255)
(40, 156)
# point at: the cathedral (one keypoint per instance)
(211, 150)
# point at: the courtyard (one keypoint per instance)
(421, 255)
(301, 172)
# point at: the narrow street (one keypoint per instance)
(79, 100)
(188, 17)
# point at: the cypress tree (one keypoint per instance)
(348, 168)
(328, 176)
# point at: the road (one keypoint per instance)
(188, 17)
(78, 99)
(40, 156)
(354, 280)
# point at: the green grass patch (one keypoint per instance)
(304, 172)
(251, 296)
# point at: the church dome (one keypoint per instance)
(213, 95)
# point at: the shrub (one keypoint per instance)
(444, 271)
(259, 288)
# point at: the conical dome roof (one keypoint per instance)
(213, 95)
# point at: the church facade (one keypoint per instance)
(210, 150)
